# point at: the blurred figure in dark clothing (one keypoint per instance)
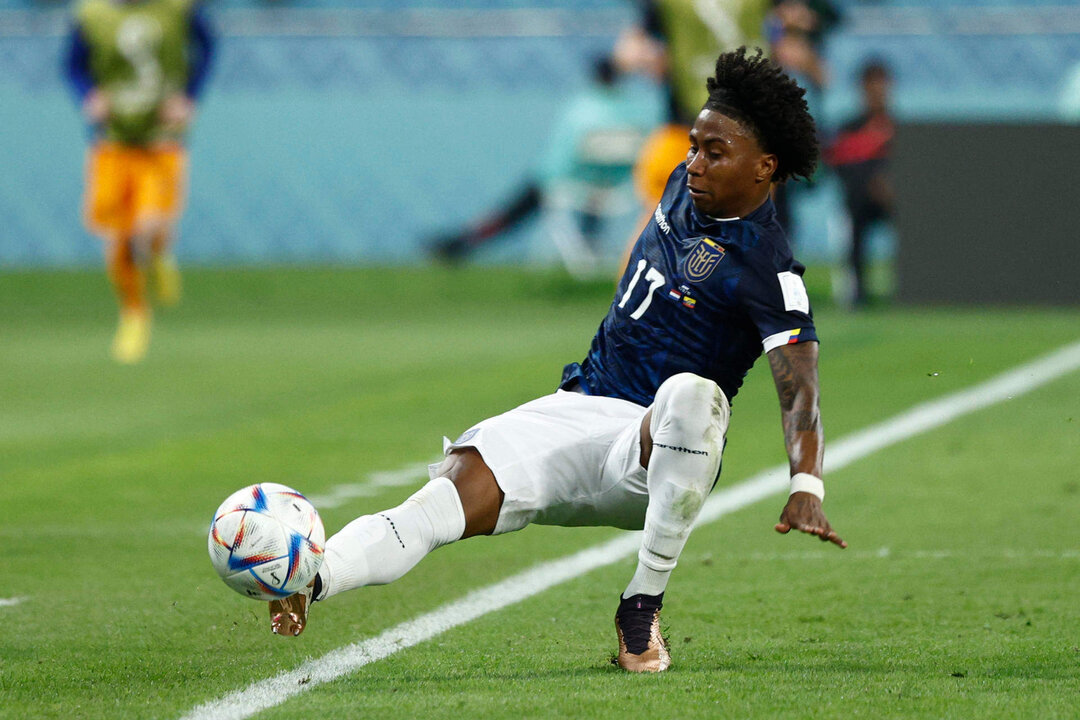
(860, 156)
(796, 32)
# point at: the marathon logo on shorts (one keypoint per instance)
(676, 448)
(702, 260)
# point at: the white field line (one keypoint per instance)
(371, 485)
(919, 419)
(11, 602)
(273, 691)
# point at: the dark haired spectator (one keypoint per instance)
(860, 155)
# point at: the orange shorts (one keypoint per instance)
(130, 188)
(664, 149)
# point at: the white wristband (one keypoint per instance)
(805, 482)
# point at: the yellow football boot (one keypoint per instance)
(166, 279)
(132, 337)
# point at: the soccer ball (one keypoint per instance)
(266, 541)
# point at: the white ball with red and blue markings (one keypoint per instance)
(266, 541)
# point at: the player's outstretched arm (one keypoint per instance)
(794, 369)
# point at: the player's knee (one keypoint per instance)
(480, 495)
(690, 406)
(150, 226)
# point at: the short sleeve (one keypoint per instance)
(774, 297)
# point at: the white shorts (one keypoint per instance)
(565, 459)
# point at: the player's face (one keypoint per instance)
(728, 172)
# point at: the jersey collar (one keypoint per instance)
(762, 214)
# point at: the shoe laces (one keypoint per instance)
(636, 615)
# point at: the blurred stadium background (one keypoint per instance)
(337, 131)
(315, 347)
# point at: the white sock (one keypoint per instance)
(378, 549)
(689, 420)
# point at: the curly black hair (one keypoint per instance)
(755, 92)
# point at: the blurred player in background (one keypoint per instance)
(676, 43)
(137, 67)
(860, 156)
(633, 437)
(588, 157)
(796, 31)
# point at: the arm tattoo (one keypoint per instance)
(803, 420)
(784, 375)
(794, 369)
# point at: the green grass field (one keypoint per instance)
(958, 597)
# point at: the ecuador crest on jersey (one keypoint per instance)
(702, 259)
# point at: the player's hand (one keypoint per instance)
(95, 107)
(177, 111)
(803, 513)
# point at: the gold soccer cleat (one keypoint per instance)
(641, 646)
(288, 616)
(132, 337)
(166, 279)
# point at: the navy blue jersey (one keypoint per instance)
(699, 295)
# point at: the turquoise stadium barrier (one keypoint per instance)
(342, 132)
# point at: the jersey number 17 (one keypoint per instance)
(655, 279)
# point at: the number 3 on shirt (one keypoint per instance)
(655, 279)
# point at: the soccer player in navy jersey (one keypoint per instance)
(633, 437)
